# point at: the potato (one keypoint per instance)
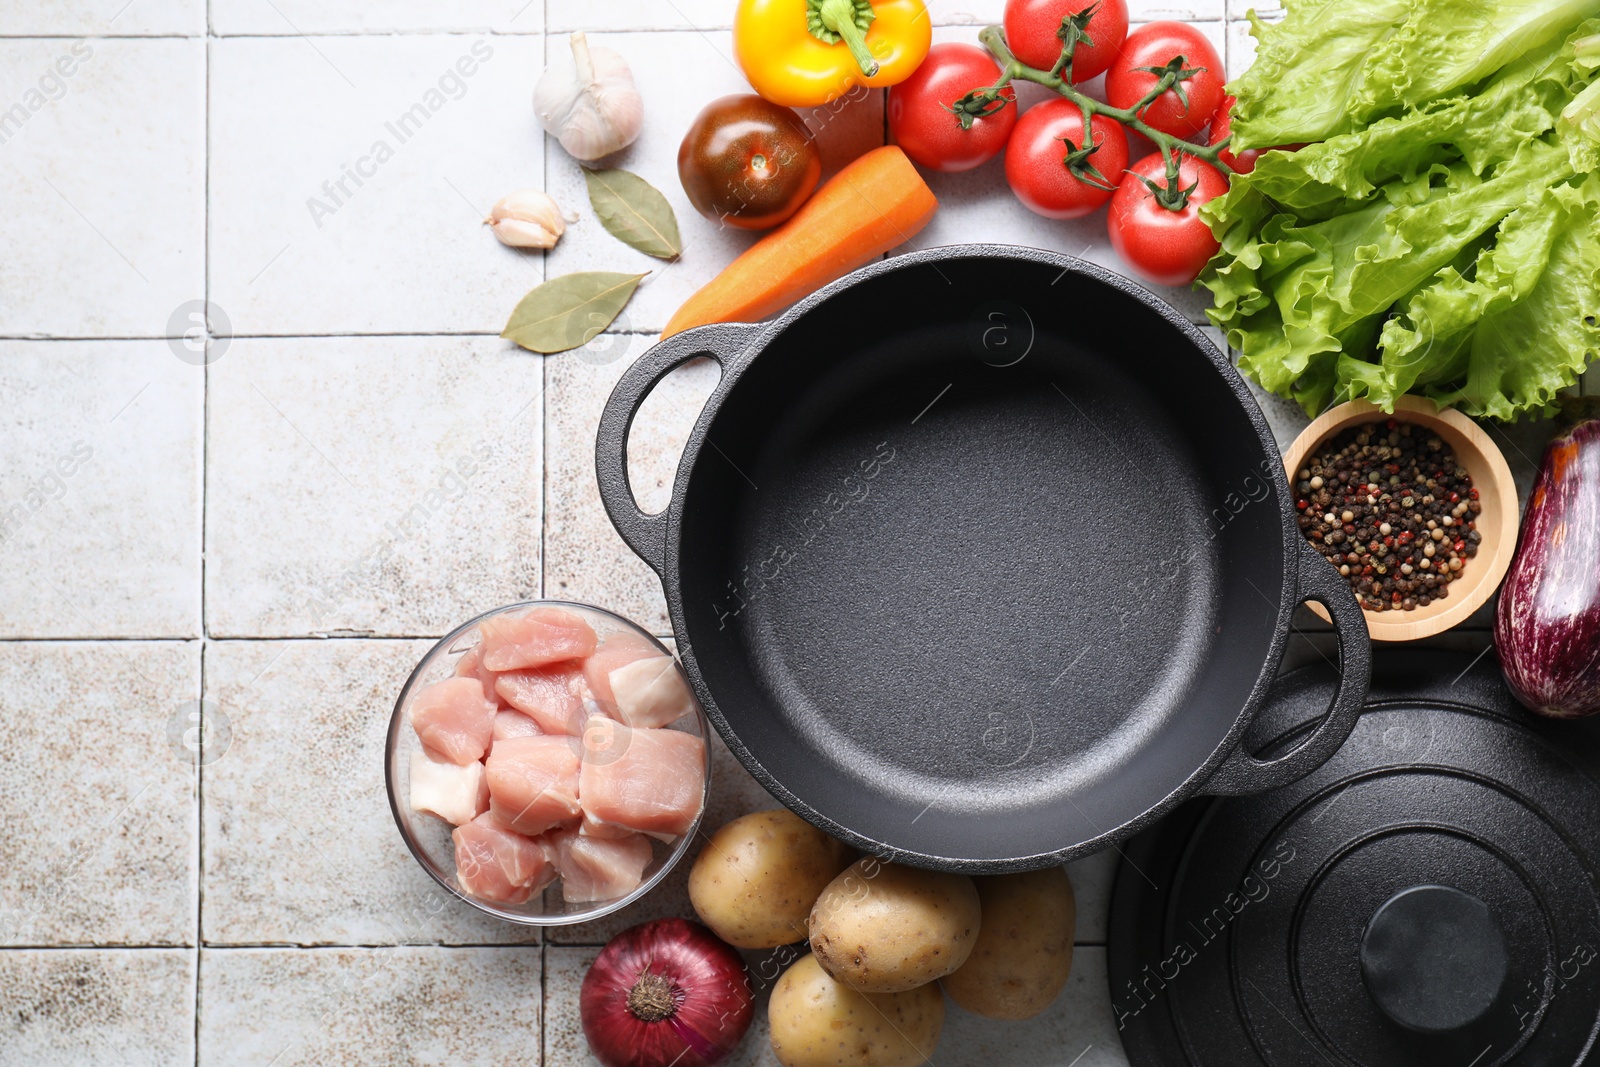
(756, 879)
(883, 928)
(1024, 950)
(817, 1022)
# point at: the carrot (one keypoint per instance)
(876, 203)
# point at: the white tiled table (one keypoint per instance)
(282, 531)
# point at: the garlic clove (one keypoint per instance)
(527, 219)
(595, 108)
(519, 234)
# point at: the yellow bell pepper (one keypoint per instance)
(801, 53)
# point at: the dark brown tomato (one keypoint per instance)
(748, 163)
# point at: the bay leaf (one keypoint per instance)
(635, 212)
(570, 311)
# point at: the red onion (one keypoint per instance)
(665, 993)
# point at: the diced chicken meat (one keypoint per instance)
(500, 866)
(605, 831)
(652, 781)
(508, 723)
(650, 692)
(533, 783)
(552, 696)
(542, 636)
(453, 720)
(595, 869)
(468, 666)
(454, 792)
(546, 751)
(619, 649)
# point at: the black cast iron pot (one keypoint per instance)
(981, 558)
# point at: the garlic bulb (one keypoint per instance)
(527, 219)
(593, 110)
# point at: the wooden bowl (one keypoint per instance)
(1497, 524)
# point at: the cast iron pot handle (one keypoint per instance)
(1242, 774)
(647, 534)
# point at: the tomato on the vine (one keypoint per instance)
(1164, 246)
(1242, 162)
(1157, 45)
(1043, 145)
(1033, 27)
(748, 163)
(923, 124)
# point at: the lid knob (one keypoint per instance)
(1434, 959)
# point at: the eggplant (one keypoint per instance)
(1547, 627)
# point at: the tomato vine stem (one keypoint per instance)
(1058, 78)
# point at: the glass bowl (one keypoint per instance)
(428, 836)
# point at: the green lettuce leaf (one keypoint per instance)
(1579, 127)
(1518, 106)
(1330, 68)
(1579, 124)
(1523, 354)
(1283, 98)
(1293, 296)
(1359, 263)
(1444, 236)
(1445, 45)
(1428, 341)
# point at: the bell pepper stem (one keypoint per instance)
(844, 18)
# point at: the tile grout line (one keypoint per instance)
(167, 639)
(91, 946)
(211, 35)
(205, 481)
(1226, 51)
(544, 408)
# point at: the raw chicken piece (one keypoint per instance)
(543, 635)
(498, 865)
(469, 667)
(553, 697)
(455, 793)
(650, 692)
(533, 783)
(605, 831)
(508, 723)
(594, 869)
(617, 650)
(652, 781)
(454, 720)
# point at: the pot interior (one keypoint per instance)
(980, 560)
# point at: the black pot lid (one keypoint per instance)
(1429, 896)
